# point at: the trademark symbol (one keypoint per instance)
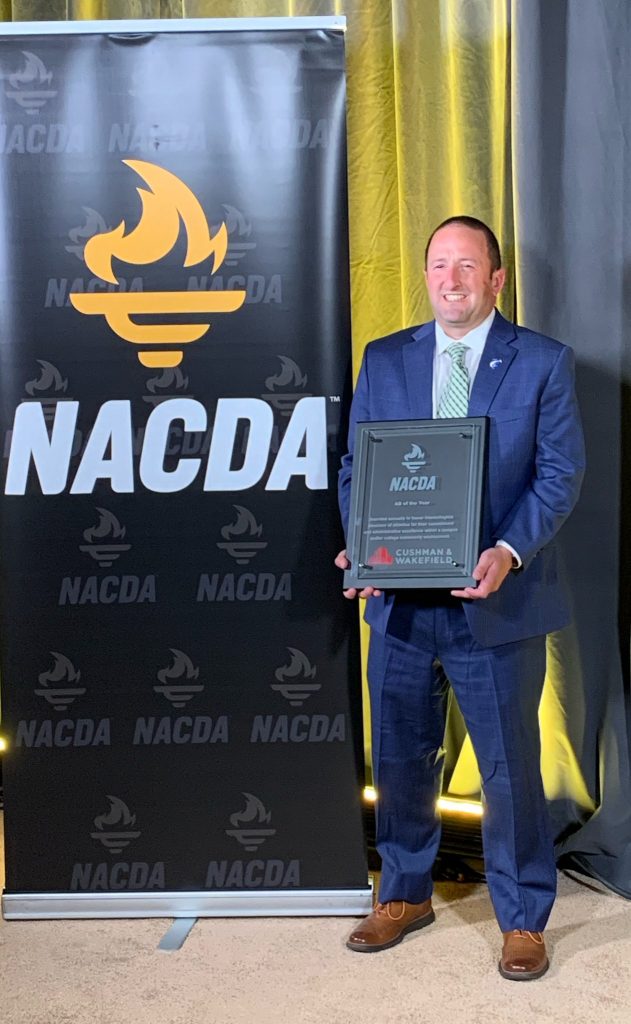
(334, 398)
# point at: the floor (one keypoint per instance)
(233, 971)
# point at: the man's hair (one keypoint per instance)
(492, 243)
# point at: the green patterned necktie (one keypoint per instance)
(454, 401)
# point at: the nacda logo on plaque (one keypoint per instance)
(415, 458)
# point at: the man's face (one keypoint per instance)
(462, 288)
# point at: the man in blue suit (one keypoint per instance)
(488, 641)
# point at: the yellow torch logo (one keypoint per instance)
(169, 203)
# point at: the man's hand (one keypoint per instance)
(342, 562)
(492, 569)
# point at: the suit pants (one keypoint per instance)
(428, 645)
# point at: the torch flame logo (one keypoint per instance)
(34, 70)
(244, 523)
(254, 812)
(415, 458)
(298, 666)
(182, 666)
(168, 378)
(118, 814)
(290, 373)
(108, 526)
(62, 671)
(49, 377)
(167, 204)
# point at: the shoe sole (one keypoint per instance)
(413, 927)
(523, 975)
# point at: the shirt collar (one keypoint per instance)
(475, 339)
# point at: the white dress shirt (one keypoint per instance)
(475, 341)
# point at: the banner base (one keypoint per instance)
(271, 903)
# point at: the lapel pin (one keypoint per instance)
(495, 363)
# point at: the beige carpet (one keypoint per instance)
(296, 970)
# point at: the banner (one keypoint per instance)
(180, 671)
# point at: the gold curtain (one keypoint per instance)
(428, 137)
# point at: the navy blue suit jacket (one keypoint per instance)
(535, 466)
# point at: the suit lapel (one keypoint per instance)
(418, 361)
(497, 356)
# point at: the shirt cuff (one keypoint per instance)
(517, 562)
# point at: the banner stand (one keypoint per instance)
(180, 671)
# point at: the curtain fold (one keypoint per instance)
(572, 216)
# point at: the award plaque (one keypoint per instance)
(416, 503)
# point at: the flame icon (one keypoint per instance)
(93, 225)
(290, 374)
(118, 814)
(238, 229)
(251, 838)
(168, 203)
(182, 668)
(168, 380)
(108, 526)
(49, 377)
(49, 380)
(415, 458)
(299, 666)
(60, 698)
(33, 73)
(243, 551)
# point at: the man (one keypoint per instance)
(489, 641)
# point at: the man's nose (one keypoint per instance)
(452, 278)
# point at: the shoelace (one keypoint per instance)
(381, 908)
(521, 933)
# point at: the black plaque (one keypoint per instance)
(416, 503)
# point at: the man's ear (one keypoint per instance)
(498, 280)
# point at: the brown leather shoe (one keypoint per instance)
(388, 924)
(523, 956)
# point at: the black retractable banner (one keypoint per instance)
(179, 668)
